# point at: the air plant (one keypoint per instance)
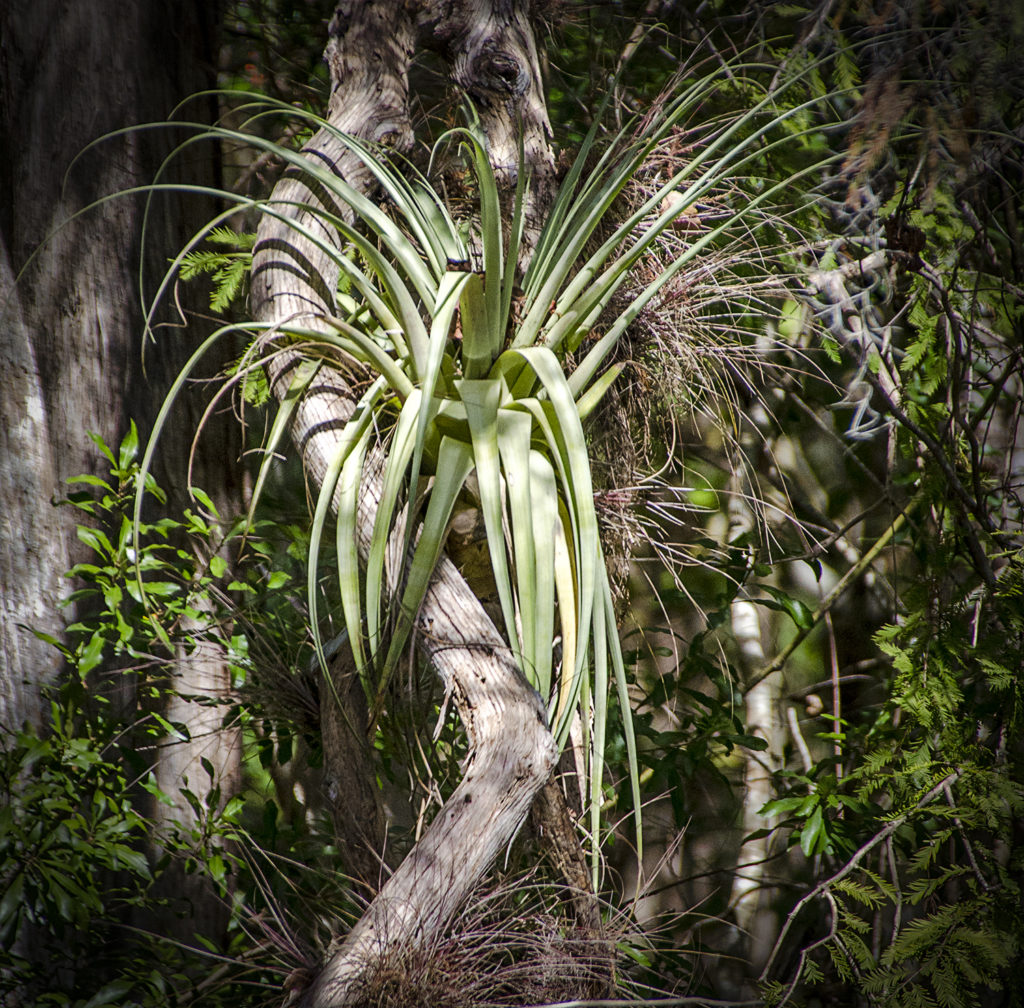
(467, 355)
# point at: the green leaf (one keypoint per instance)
(626, 708)
(177, 732)
(546, 531)
(455, 462)
(91, 655)
(399, 455)
(564, 433)
(588, 401)
(352, 444)
(287, 405)
(481, 398)
(204, 498)
(102, 445)
(11, 901)
(111, 995)
(216, 867)
(491, 236)
(801, 615)
(96, 540)
(347, 548)
(478, 348)
(129, 447)
(779, 806)
(812, 834)
(753, 742)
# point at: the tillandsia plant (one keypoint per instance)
(466, 339)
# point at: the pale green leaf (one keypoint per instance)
(481, 398)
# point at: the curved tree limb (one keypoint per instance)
(512, 752)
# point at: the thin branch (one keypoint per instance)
(808, 949)
(978, 874)
(837, 726)
(798, 739)
(848, 868)
(830, 600)
(969, 504)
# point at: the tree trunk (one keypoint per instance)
(512, 752)
(350, 776)
(763, 716)
(72, 326)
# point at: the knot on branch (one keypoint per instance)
(494, 70)
(395, 133)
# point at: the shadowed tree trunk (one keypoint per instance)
(491, 53)
(71, 327)
(70, 338)
(350, 776)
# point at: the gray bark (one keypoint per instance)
(70, 337)
(512, 752)
(752, 889)
(493, 57)
(71, 327)
(30, 586)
